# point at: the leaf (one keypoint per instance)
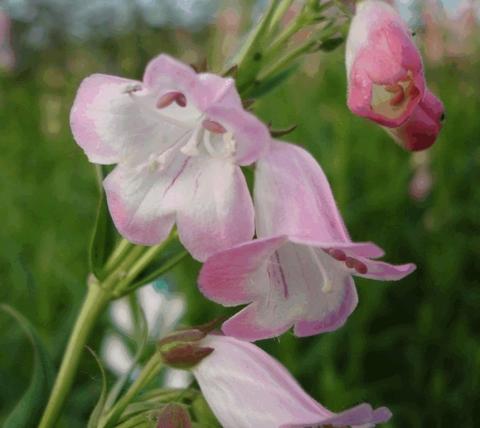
(104, 233)
(203, 413)
(98, 409)
(261, 88)
(28, 410)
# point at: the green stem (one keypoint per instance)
(287, 60)
(93, 305)
(141, 263)
(118, 254)
(146, 375)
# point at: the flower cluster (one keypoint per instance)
(179, 138)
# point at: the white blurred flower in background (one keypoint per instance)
(163, 311)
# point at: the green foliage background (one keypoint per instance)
(412, 345)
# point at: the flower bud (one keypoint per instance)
(174, 416)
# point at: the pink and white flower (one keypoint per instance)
(245, 387)
(384, 67)
(421, 129)
(299, 273)
(178, 139)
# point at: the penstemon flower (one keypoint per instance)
(384, 68)
(245, 388)
(421, 129)
(300, 272)
(178, 139)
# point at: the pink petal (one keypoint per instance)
(293, 197)
(361, 416)
(115, 119)
(385, 271)
(138, 201)
(166, 73)
(245, 387)
(225, 276)
(333, 318)
(252, 137)
(98, 117)
(214, 207)
(216, 90)
(421, 130)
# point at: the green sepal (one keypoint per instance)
(104, 233)
(203, 414)
(27, 411)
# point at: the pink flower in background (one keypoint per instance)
(7, 56)
(384, 67)
(299, 273)
(178, 138)
(245, 387)
(420, 131)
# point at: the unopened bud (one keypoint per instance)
(185, 356)
(174, 416)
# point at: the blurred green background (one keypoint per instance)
(413, 346)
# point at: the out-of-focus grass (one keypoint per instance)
(409, 345)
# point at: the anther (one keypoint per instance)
(350, 262)
(212, 126)
(166, 99)
(399, 94)
(337, 254)
(360, 267)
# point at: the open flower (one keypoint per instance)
(178, 138)
(384, 67)
(421, 129)
(245, 387)
(300, 272)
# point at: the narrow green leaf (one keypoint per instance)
(27, 411)
(104, 233)
(263, 87)
(98, 409)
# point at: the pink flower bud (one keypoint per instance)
(420, 131)
(384, 67)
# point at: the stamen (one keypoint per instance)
(337, 254)
(350, 262)
(399, 94)
(212, 126)
(166, 99)
(360, 267)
